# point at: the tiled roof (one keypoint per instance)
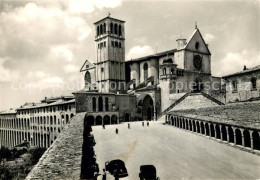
(164, 53)
(11, 111)
(256, 68)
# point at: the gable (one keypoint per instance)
(87, 66)
(197, 38)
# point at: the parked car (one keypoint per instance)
(116, 168)
(148, 172)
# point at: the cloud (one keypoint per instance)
(71, 68)
(61, 53)
(234, 62)
(138, 51)
(7, 75)
(88, 6)
(209, 37)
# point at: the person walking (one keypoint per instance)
(116, 131)
(104, 126)
(147, 123)
(128, 126)
(143, 123)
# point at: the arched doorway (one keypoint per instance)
(256, 140)
(127, 117)
(238, 137)
(231, 134)
(247, 138)
(114, 119)
(98, 120)
(217, 131)
(224, 133)
(202, 128)
(100, 103)
(212, 130)
(147, 108)
(197, 86)
(106, 120)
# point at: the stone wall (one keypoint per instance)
(63, 159)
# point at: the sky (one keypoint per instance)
(43, 43)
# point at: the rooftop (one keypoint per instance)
(256, 68)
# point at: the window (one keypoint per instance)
(102, 69)
(234, 84)
(98, 31)
(101, 29)
(105, 28)
(145, 71)
(104, 44)
(111, 28)
(253, 82)
(106, 104)
(94, 104)
(119, 44)
(100, 103)
(87, 78)
(115, 26)
(197, 45)
(116, 44)
(119, 30)
(112, 43)
(172, 71)
(164, 71)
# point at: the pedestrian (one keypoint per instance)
(116, 131)
(104, 126)
(147, 123)
(128, 126)
(104, 176)
(143, 123)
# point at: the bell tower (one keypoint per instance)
(110, 54)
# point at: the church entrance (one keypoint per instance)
(197, 86)
(147, 108)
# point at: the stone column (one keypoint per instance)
(235, 139)
(215, 130)
(251, 139)
(154, 112)
(227, 134)
(242, 136)
(221, 135)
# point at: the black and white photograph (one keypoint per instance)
(129, 89)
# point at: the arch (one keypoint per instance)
(111, 28)
(94, 104)
(51, 120)
(106, 104)
(115, 28)
(67, 118)
(114, 119)
(98, 31)
(224, 133)
(190, 123)
(256, 140)
(71, 115)
(164, 71)
(101, 29)
(87, 78)
(147, 108)
(127, 117)
(198, 126)
(106, 120)
(120, 30)
(212, 130)
(207, 129)
(238, 137)
(98, 120)
(100, 103)
(194, 126)
(198, 85)
(247, 139)
(145, 68)
(105, 28)
(202, 128)
(89, 120)
(55, 120)
(217, 131)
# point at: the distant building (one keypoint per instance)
(37, 123)
(243, 85)
(141, 88)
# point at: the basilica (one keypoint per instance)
(117, 89)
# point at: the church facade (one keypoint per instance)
(142, 88)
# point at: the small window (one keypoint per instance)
(104, 44)
(172, 71)
(119, 44)
(234, 84)
(112, 43)
(253, 82)
(197, 45)
(102, 69)
(164, 71)
(116, 44)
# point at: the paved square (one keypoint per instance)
(176, 153)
